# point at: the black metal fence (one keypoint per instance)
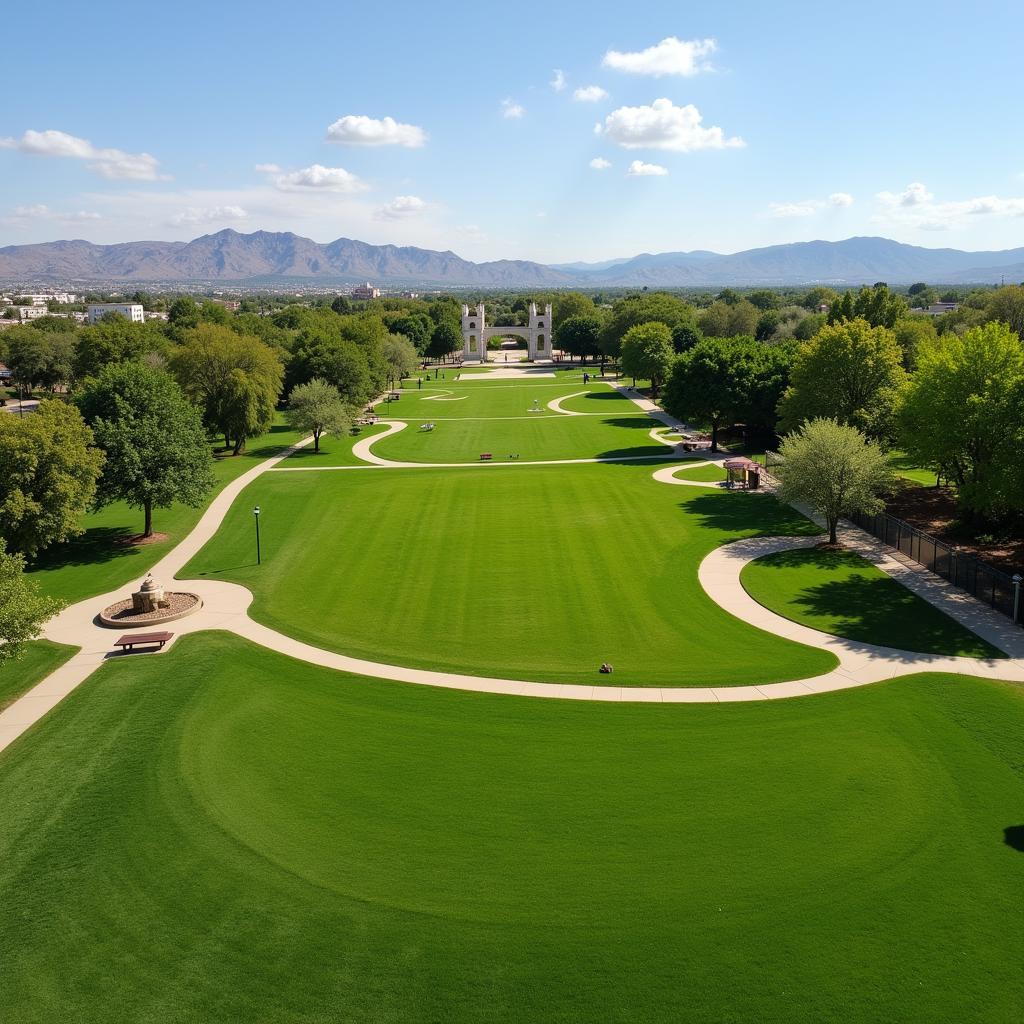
(993, 586)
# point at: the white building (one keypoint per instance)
(30, 312)
(129, 310)
(42, 298)
(365, 292)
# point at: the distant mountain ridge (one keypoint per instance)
(269, 257)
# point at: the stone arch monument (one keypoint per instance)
(474, 334)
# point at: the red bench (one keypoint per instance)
(133, 640)
(486, 457)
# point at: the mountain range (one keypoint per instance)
(276, 258)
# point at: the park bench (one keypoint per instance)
(133, 640)
(486, 456)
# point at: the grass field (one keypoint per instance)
(528, 572)
(100, 560)
(230, 835)
(903, 466)
(839, 592)
(39, 658)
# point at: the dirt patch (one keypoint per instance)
(934, 510)
(138, 540)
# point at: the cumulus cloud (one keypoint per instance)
(589, 94)
(358, 130)
(915, 206)
(194, 215)
(401, 208)
(512, 110)
(112, 164)
(318, 177)
(558, 80)
(600, 164)
(639, 169)
(268, 168)
(808, 207)
(663, 125)
(671, 56)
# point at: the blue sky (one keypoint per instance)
(713, 126)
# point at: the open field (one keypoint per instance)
(38, 660)
(521, 572)
(231, 836)
(839, 592)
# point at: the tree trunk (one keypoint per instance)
(832, 523)
(316, 440)
(239, 445)
(714, 435)
(148, 508)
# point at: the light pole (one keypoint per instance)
(1017, 580)
(256, 516)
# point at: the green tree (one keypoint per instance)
(765, 299)
(809, 326)
(578, 335)
(728, 319)
(114, 339)
(342, 304)
(767, 325)
(685, 335)
(569, 304)
(445, 339)
(642, 309)
(183, 313)
(317, 408)
(849, 371)
(960, 415)
(401, 356)
(152, 436)
(417, 327)
(48, 473)
(1007, 305)
(912, 332)
(647, 353)
(877, 305)
(834, 469)
(23, 610)
(235, 379)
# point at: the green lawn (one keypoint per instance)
(903, 466)
(222, 834)
(100, 560)
(710, 474)
(841, 593)
(39, 658)
(528, 572)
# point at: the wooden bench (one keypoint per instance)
(133, 640)
(486, 457)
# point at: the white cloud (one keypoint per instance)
(207, 215)
(663, 125)
(268, 168)
(113, 164)
(358, 130)
(671, 56)
(590, 94)
(638, 169)
(915, 207)
(400, 208)
(600, 164)
(511, 109)
(558, 81)
(808, 207)
(40, 211)
(327, 179)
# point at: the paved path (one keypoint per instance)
(226, 607)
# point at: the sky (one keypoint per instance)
(546, 131)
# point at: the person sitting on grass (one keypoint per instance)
(606, 669)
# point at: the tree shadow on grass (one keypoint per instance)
(97, 545)
(1013, 836)
(746, 514)
(876, 610)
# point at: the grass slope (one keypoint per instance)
(18, 675)
(839, 592)
(522, 572)
(100, 560)
(221, 834)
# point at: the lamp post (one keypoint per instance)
(1017, 580)
(256, 516)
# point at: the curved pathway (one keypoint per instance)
(555, 405)
(226, 607)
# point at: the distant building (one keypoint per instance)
(129, 310)
(364, 292)
(231, 305)
(937, 308)
(42, 298)
(30, 312)
(410, 295)
(5, 373)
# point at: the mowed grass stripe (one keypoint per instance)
(525, 572)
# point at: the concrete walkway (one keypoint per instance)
(226, 607)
